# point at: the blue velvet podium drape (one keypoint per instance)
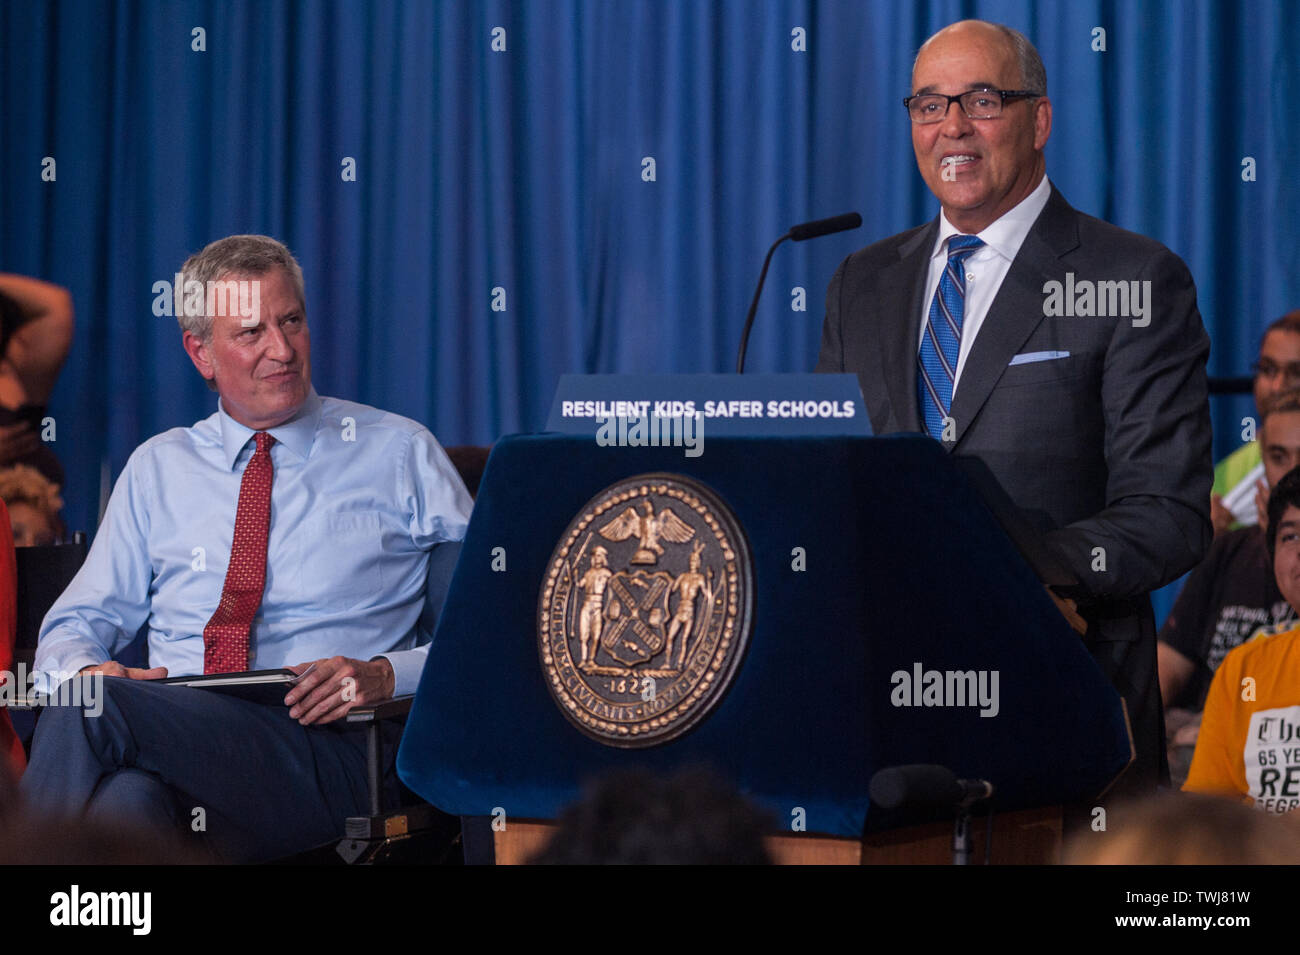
(905, 567)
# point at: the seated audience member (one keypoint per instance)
(34, 504)
(285, 530)
(1190, 829)
(1230, 596)
(638, 818)
(1249, 742)
(35, 336)
(1238, 494)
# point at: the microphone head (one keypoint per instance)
(811, 230)
(921, 783)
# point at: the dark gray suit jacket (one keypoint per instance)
(1108, 447)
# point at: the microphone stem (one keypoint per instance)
(753, 307)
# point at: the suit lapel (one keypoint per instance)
(902, 290)
(1017, 309)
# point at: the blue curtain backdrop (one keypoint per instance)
(524, 169)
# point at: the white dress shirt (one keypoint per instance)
(986, 267)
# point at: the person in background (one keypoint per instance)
(1228, 598)
(1248, 747)
(34, 504)
(35, 336)
(1240, 493)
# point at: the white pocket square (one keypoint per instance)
(1025, 358)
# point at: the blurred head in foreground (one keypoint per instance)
(28, 837)
(636, 818)
(1191, 829)
(34, 504)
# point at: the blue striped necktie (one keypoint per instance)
(941, 343)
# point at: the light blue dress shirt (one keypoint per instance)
(359, 497)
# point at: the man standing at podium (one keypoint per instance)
(1066, 354)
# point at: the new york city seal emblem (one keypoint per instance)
(645, 610)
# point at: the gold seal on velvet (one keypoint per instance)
(645, 610)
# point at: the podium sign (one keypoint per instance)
(721, 405)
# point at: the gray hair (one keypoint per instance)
(235, 255)
(1032, 73)
(1033, 76)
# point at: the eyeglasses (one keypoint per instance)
(1266, 369)
(926, 108)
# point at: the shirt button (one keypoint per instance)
(970, 276)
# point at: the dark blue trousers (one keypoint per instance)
(156, 755)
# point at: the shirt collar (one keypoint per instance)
(297, 434)
(1006, 234)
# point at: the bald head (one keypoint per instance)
(1029, 65)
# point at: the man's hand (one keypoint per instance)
(113, 668)
(335, 686)
(1069, 610)
(1220, 516)
(1261, 503)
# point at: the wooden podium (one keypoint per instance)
(1028, 837)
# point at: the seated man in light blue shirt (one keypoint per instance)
(358, 499)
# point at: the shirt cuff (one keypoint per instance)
(407, 667)
(48, 673)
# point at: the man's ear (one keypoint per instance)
(1042, 122)
(200, 353)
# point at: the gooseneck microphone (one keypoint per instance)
(806, 230)
(925, 784)
(819, 227)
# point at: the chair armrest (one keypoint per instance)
(384, 710)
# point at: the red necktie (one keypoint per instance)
(225, 638)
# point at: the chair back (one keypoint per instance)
(44, 572)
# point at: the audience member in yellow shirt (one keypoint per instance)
(1249, 743)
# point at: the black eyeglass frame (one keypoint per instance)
(1005, 94)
